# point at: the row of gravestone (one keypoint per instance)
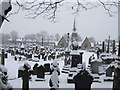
(37, 70)
(41, 55)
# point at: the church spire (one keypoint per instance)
(74, 25)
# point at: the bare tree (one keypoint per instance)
(5, 8)
(57, 37)
(92, 39)
(14, 36)
(44, 35)
(49, 8)
(5, 38)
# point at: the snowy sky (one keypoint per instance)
(93, 22)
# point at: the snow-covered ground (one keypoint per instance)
(13, 66)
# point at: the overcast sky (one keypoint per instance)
(93, 22)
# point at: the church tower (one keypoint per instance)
(74, 36)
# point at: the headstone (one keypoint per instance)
(47, 67)
(29, 55)
(6, 55)
(20, 58)
(12, 53)
(20, 72)
(42, 55)
(109, 71)
(83, 80)
(35, 67)
(116, 81)
(98, 53)
(76, 58)
(15, 58)
(17, 52)
(95, 65)
(41, 72)
(45, 58)
(39, 56)
(91, 58)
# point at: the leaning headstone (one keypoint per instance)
(40, 73)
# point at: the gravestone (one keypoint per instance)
(47, 67)
(76, 58)
(29, 55)
(25, 77)
(95, 65)
(91, 58)
(20, 72)
(35, 67)
(20, 58)
(39, 56)
(12, 53)
(15, 58)
(6, 55)
(83, 80)
(116, 81)
(40, 73)
(45, 57)
(109, 71)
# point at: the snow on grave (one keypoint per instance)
(63, 77)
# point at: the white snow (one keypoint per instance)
(13, 67)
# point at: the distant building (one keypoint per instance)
(62, 43)
(74, 35)
(85, 44)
